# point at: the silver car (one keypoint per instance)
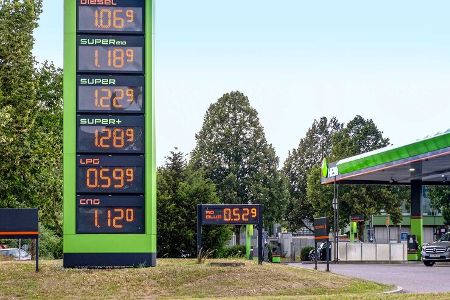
(436, 251)
(16, 253)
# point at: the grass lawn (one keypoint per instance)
(180, 278)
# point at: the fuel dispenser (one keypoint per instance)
(275, 249)
(413, 246)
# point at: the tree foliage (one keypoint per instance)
(312, 149)
(440, 200)
(233, 151)
(180, 189)
(358, 136)
(30, 117)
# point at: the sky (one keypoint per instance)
(296, 61)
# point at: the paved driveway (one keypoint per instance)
(412, 277)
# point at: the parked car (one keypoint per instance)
(321, 249)
(436, 251)
(15, 253)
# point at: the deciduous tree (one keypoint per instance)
(180, 189)
(30, 117)
(358, 136)
(233, 151)
(312, 149)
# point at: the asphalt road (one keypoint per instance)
(412, 277)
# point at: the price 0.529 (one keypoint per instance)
(237, 214)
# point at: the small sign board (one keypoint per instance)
(20, 223)
(230, 214)
(236, 214)
(357, 218)
(403, 236)
(321, 229)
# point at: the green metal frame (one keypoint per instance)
(106, 243)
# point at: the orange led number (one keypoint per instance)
(117, 57)
(108, 177)
(245, 214)
(114, 138)
(113, 98)
(115, 217)
(106, 18)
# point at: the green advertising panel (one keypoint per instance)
(109, 140)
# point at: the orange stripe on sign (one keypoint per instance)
(19, 233)
(321, 237)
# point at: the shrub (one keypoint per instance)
(50, 244)
(304, 254)
(234, 251)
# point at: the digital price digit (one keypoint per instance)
(115, 217)
(105, 18)
(118, 94)
(110, 19)
(118, 97)
(236, 214)
(101, 53)
(125, 135)
(110, 214)
(116, 138)
(110, 58)
(109, 177)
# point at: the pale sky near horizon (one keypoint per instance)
(296, 61)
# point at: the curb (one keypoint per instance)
(398, 289)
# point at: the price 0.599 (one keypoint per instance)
(109, 177)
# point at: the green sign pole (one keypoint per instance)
(109, 134)
(248, 240)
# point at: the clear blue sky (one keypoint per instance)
(296, 61)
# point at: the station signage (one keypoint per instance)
(109, 194)
(321, 229)
(222, 214)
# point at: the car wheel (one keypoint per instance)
(428, 263)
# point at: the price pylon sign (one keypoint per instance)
(109, 140)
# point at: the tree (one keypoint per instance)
(31, 117)
(312, 149)
(233, 151)
(358, 136)
(180, 189)
(440, 200)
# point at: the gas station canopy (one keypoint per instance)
(427, 160)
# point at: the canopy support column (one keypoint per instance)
(416, 216)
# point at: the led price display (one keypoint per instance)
(115, 94)
(110, 214)
(230, 214)
(112, 54)
(109, 19)
(110, 174)
(110, 134)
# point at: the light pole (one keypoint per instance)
(335, 220)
